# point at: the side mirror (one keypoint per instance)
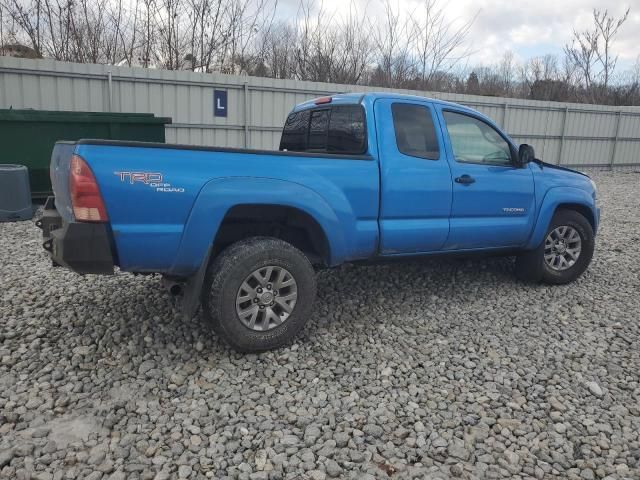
(526, 154)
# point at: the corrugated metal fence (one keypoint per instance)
(565, 133)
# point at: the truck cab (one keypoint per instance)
(450, 178)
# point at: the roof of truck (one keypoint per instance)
(358, 97)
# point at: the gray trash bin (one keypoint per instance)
(15, 193)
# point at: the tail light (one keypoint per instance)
(85, 194)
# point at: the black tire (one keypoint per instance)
(531, 266)
(226, 274)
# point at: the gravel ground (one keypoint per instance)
(426, 370)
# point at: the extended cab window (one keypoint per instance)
(474, 141)
(296, 131)
(318, 131)
(415, 132)
(339, 129)
(346, 130)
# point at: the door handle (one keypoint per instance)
(465, 180)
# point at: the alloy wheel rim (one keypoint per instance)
(266, 298)
(562, 248)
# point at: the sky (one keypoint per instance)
(526, 28)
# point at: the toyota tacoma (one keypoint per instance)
(371, 176)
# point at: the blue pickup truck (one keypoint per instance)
(357, 177)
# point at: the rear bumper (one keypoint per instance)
(81, 247)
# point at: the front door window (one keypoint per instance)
(474, 141)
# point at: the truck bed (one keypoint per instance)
(165, 202)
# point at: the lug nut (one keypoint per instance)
(275, 292)
(259, 289)
(268, 286)
(255, 300)
(261, 307)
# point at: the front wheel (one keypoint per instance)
(564, 254)
(258, 293)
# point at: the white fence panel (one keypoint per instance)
(562, 133)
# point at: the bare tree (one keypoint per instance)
(635, 71)
(393, 42)
(592, 48)
(277, 51)
(438, 42)
(128, 36)
(247, 22)
(73, 30)
(607, 28)
(321, 47)
(207, 32)
(27, 17)
(582, 53)
(167, 19)
(3, 33)
(506, 72)
(354, 51)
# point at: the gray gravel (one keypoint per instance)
(426, 370)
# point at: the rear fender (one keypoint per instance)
(218, 196)
(554, 198)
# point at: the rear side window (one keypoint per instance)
(318, 131)
(295, 132)
(346, 130)
(339, 129)
(415, 132)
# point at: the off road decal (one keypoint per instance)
(154, 180)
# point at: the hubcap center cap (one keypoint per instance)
(266, 298)
(561, 246)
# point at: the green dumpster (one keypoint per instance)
(27, 136)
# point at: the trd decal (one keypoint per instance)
(141, 177)
(154, 180)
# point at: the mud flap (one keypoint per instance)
(193, 289)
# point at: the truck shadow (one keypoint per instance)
(402, 288)
(134, 315)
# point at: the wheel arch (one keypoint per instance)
(231, 197)
(558, 198)
(582, 209)
(291, 224)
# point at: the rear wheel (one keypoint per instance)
(564, 254)
(258, 293)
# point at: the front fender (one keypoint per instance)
(555, 197)
(218, 196)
